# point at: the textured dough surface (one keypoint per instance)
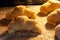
(49, 6)
(19, 11)
(54, 17)
(23, 23)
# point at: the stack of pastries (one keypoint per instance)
(23, 18)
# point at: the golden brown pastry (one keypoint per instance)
(54, 17)
(19, 11)
(49, 6)
(23, 23)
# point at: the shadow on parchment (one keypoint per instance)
(41, 14)
(4, 22)
(50, 26)
(19, 35)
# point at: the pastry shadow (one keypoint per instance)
(41, 14)
(24, 35)
(4, 22)
(50, 26)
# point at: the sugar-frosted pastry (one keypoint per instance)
(23, 23)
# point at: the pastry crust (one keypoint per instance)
(23, 23)
(54, 17)
(49, 6)
(19, 11)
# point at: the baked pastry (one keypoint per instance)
(54, 17)
(49, 6)
(57, 31)
(19, 11)
(23, 23)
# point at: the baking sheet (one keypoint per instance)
(47, 34)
